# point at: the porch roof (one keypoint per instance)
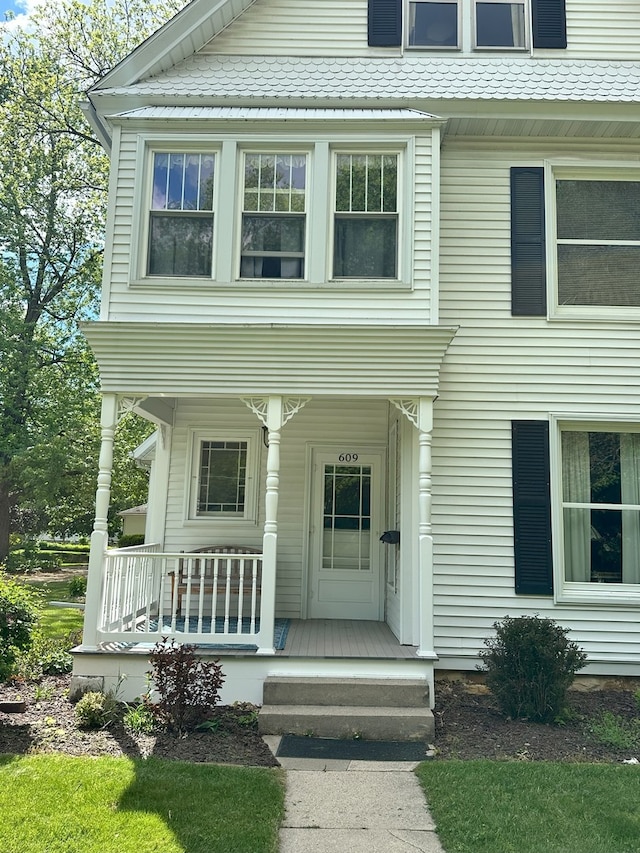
(180, 359)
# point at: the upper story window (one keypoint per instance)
(273, 216)
(575, 241)
(500, 24)
(598, 242)
(365, 241)
(181, 216)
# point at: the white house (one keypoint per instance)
(373, 267)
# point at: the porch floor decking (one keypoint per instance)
(343, 638)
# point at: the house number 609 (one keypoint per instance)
(348, 457)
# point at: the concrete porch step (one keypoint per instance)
(341, 721)
(373, 692)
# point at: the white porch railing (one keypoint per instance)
(198, 598)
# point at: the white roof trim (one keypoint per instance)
(274, 114)
(189, 30)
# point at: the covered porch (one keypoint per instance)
(357, 600)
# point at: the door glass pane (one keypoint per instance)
(347, 517)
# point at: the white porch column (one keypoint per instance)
(270, 535)
(100, 535)
(425, 533)
(420, 412)
(274, 412)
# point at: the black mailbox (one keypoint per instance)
(391, 537)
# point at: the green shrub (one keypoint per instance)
(18, 616)
(187, 687)
(529, 666)
(65, 548)
(77, 586)
(617, 731)
(130, 540)
(45, 656)
(29, 558)
(96, 710)
(139, 719)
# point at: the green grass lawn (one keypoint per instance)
(60, 804)
(531, 807)
(56, 622)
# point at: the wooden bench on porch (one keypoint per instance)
(231, 579)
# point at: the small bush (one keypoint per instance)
(187, 687)
(77, 586)
(18, 616)
(613, 730)
(131, 539)
(139, 719)
(529, 666)
(96, 710)
(45, 656)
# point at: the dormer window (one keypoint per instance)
(443, 25)
(434, 24)
(500, 24)
(181, 217)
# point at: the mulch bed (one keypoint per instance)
(48, 725)
(468, 725)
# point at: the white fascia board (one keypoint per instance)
(158, 359)
(188, 31)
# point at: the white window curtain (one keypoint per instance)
(630, 486)
(517, 24)
(576, 486)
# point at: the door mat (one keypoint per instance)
(297, 746)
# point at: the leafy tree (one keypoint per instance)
(53, 178)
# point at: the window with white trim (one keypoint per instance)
(181, 214)
(365, 233)
(598, 241)
(223, 476)
(273, 216)
(499, 24)
(600, 504)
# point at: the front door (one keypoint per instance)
(344, 577)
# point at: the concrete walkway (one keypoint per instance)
(354, 807)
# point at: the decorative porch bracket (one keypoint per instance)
(274, 412)
(419, 411)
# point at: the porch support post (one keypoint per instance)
(100, 535)
(274, 423)
(425, 534)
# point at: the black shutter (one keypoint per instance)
(549, 23)
(385, 23)
(532, 508)
(528, 255)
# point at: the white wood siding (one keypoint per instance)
(232, 302)
(352, 424)
(500, 368)
(595, 29)
(609, 30)
(315, 27)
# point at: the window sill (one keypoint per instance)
(269, 285)
(599, 594)
(596, 314)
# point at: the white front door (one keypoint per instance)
(345, 568)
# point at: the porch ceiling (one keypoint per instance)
(188, 359)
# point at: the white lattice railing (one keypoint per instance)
(199, 598)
